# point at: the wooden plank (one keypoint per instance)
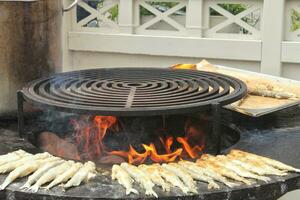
(291, 52)
(249, 50)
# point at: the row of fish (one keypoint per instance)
(44, 168)
(232, 170)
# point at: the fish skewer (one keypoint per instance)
(155, 176)
(51, 175)
(224, 172)
(14, 156)
(172, 178)
(140, 177)
(37, 174)
(123, 178)
(222, 160)
(86, 172)
(241, 170)
(8, 167)
(65, 176)
(259, 168)
(198, 175)
(183, 175)
(268, 161)
(24, 170)
(200, 167)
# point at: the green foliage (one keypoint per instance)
(114, 12)
(295, 20)
(232, 8)
(144, 11)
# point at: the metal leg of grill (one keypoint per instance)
(216, 132)
(20, 101)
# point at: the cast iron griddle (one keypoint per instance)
(134, 91)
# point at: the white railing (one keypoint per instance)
(261, 31)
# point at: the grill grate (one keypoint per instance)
(134, 91)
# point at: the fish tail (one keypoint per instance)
(151, 192)
(264, 178)
(213, 185)
(185, 190)
(131, 190)
(25, 186)
(193, 190)
(231, 185)
(4, 185)
(297, 170)
(34, 188)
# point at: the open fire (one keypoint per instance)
(90, 133)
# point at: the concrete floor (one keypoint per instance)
(291, 196)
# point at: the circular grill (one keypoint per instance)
(134, 91)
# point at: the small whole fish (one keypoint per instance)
(64, 177)
(216, 176)
(200, 176)
(24, 170)
(140, 177)
(123, 178)
(11, 157)
(51, 175)
(87, 171)
(8, 167)
(172, 178)
(183, 175)
(155, 176)
(43, 169)
(222, 160)
(260, 168)
(225, 172)
(268, 161)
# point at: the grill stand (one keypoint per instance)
(216, 122)
(20, 101)
(216, 132)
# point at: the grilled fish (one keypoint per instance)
(172, 178)
(24, 170)
(155, 176)
(199, 175)
(268, 161)
(51, 175)
(43, 169)
(65, 176)
(223, 171)
(183, 175)
(140, 177)
(223, 161)
(259, 168)
(13, 156)
(87, 171)
(8, 167)
(208, 172)
(123, 178)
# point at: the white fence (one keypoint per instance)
(259, 35)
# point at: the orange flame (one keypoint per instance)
(89, 135)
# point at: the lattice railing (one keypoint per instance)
(293, 20)
(196, 18)
(244, 22)
(91, 14)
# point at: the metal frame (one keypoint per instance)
(214, 105)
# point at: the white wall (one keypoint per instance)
(269, 47)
